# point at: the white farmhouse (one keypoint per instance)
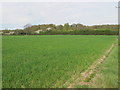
(11, 32)
(1, 32)
(48, 29)
(38, 31)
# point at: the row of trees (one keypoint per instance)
(66, 29)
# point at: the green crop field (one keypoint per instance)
(49, 60)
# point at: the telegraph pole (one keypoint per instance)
(118, 21)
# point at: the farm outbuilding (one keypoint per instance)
(38, 31)
(48, 29)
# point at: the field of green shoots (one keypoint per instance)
(49, 60)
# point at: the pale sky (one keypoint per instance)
(17, 14)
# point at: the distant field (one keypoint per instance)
(49, 60)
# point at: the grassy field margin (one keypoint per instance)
(106, 75)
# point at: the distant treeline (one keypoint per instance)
(66, 29)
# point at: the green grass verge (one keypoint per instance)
(108, 72)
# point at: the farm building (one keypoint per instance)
(10, 33)
(38, 31)
(48, 29)
(74, 25)
(1, 32)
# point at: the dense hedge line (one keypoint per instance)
(79, 32)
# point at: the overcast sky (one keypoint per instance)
(17, 14)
